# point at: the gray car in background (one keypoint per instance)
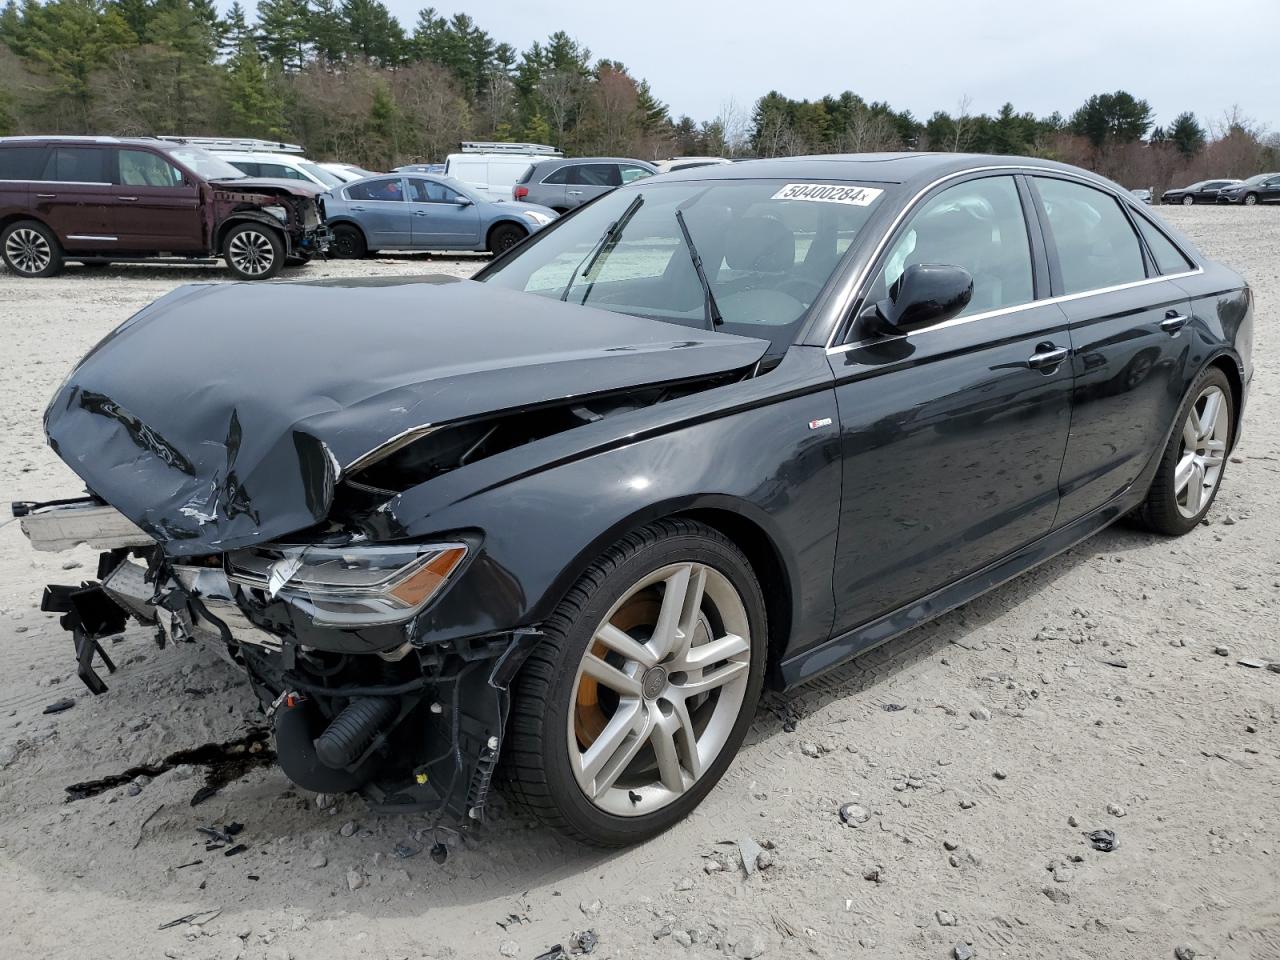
(419, 212)
(564, 184)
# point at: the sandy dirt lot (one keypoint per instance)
(982, 747)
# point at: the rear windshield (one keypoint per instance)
(768, 248)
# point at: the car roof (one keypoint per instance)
(47, 139)
(569, 161)
(288, 159)
(908, 168)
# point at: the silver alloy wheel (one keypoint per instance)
(659, 690)
(251, 252)
(28, 251)
(1188, 200)
(1250, 200)
(1202, 451)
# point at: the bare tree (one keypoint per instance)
(561, 92)
(963, 124)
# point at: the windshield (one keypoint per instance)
(205, 164)
(321, 174)
(767, 248)
(1258, 178)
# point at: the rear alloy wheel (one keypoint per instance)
(505, 236)
(638, 699)
(254, 252)
(1188, 200)
(31, 250)
(1191, 469)
(348, 242)
(1250, 199)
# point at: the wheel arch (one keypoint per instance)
(250, 216)
(1231, 368)
(502, 222)
(10, 219)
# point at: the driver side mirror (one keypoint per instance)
(463, 201)
(925, 294)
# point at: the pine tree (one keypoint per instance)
(1187, 135)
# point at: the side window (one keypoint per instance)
(1096, 245)
(559, 176)
(428, 191)
(595, 175)
(77, 165)
(978, 225)
(21, 163)
(141, 168)
(247, 168)
(384, 190)
(281, 172)
(630, 173)
(1169, 259)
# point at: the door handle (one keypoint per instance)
(1047, 357)
(575, 193)
(45, 196)
(130, 199)
(1174, 321)
(419, 213)
(358, 209)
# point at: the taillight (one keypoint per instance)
(520, 192)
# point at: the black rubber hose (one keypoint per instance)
(351, 731)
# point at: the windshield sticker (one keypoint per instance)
(828, 193)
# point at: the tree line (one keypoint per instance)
(350, 82)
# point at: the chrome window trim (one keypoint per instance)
(68, 183)
(858, 287)
(1047, 301)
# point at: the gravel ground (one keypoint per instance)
(980, 749)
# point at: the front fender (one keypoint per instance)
(240, 216)
(776, 465)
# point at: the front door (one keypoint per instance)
(952, 436)
(155, 209)
(73, 194)
(443, 219)
(1132, 335)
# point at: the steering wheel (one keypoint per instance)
(804, 289)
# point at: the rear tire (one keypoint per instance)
(348, 242)
(31, 250)
(663, 744)
(505, 236)
(1191, 468)
(253, 251)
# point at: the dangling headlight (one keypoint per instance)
(349, 586)
(277, 211)
(534, 217)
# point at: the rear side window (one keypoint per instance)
(1168, 258)
(247, 168)
(1096, 245)
(631, 173)
(77, 165)
(141, 168)
(280, 172)
(21, 163)
(595, 175)
(559, 176)
(382, 190)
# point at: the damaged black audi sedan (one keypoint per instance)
(719, 429)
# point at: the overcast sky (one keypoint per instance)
(920, 54)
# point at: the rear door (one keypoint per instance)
(1132, 336)
(952, 436)
(590, 180)
(157, 208)
(442, 219)
(73, 194)
(379, 207)
(550, 191)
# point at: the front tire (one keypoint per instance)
(505, 236)
(1188, 200)
(1250, 199)
(640, 694)
(1191, 468)
(31, 250)
(253, 252)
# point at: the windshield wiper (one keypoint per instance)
(606, 241)
(714, 319)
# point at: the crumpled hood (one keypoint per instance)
(271, 186)
(224, 414)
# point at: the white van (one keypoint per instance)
(494, 168)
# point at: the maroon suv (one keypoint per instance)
(100, 199)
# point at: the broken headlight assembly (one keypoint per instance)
(349, 586)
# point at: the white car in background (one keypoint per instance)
(672, 164)
(494, 168)
(347, 172)
(281, 166)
